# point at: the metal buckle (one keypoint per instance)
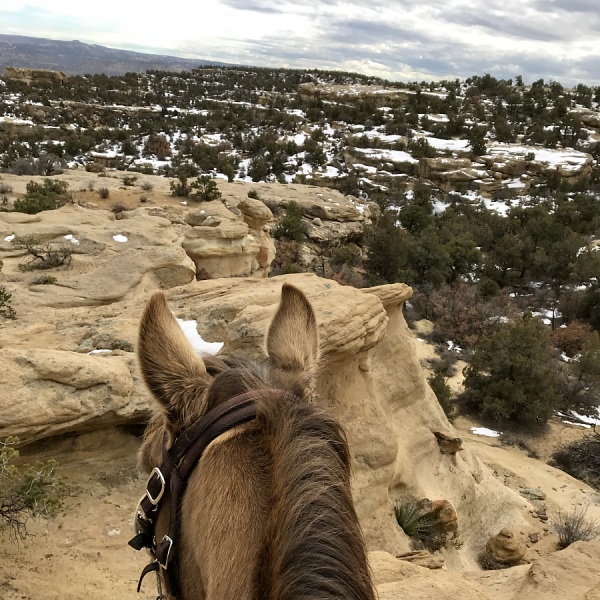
(155, 501)
(168, 555)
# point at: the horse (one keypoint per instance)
(267, 513)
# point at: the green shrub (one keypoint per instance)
(181, 187)
(31, 490)
(410, 518)
(206, 189)
(290, 227)
(422, 527)
(253, 194)
(129, 180)
(6, 309)
(49, 195)
(513, 375)
(444, 395)
(345, 255)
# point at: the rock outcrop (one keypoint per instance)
(506, 548)
(34, 75)
(370, 378)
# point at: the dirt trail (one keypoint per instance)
(83, 554)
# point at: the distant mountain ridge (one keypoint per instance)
(77, 58)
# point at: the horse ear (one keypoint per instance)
(172, 370)
(292, 339)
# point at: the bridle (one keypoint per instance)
(178, 463)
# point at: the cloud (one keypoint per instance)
(262, 6)
(397, 39)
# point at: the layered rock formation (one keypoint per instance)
(503, 164)
(370, 379)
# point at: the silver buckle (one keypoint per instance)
(155, 501)
(168, 557)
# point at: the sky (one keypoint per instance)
(401, 40)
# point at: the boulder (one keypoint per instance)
(449, 444)
(506, 548)
(442, 515)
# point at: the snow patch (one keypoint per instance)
(485, 431)
(119, 238)
(190, 331)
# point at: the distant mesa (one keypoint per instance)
(78, 58)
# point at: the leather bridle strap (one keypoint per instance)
(178, 463)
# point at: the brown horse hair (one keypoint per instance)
(286, 474)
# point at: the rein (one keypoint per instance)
(178, 463)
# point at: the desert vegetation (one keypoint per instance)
(27, 490)
(488, 191)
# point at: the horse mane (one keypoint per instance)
(313, 546)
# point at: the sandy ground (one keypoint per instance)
(83, 553)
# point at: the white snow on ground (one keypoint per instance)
(373, 134)
(546, 315)
(452, 145)
(299, 138)
(10, 238)
(391, 155)
(119, 238)
(195, 339)
(500, 207)
(71, 239)
(331, 172)
(439, 207)
(485, 431)
(15, 121)
(573, 418)
(569, 160)
(366, 168)
(99, 351)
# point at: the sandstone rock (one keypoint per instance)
(571, 574)
(47, 392)
(448, 444)
(329, 231)
(430, 166)
(115, 277)
(255, 212)
(532, 493)
(423, 558)
(37, 75)
(376, 93)
(397, 579)
(506, 548)
(442, 515)
(225, 244)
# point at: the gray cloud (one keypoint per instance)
(262, 6)
(509, 26)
